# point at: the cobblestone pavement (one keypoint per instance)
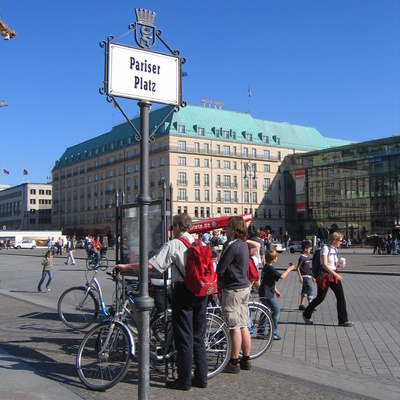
(310, 362)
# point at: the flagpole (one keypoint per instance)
(249, 100)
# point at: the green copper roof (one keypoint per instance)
(240, 126)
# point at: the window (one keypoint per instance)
(207, 195)
(181, 128)
(197, 179)
(206, 180)
(227, 196)
(218, 149)
(206, 163)
(279, 155)
(181, 160)
(218, 195)
(267, 183)
(234, 151)
(200, 131)
(266, 154)
(33, 191)
(249, 137)
(152, 164)
(182, 194)
(227, 210)
(206, 148)
(197, 162)
(246, 197)
(162, 161)
(267, 168)
(197, 195)
(197, 147)
(265, 139)
(227, 180)
(225, 134)
(218, 163)
(254, 153)
(227, 164)
(245, 152)
(217, 133)
(181, 145)
(226, 150)
(233, 135)
(182, 178)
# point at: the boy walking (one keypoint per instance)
(304, 269)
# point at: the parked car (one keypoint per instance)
(80, 244)
(277, 246)
(25, 244)
(295, 246)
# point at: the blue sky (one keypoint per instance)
(330, 64)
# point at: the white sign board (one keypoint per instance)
(143, 75)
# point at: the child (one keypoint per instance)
(267, 291)
(47, 263)
(304, 270)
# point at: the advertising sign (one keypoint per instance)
(143, 75)
(301, 191)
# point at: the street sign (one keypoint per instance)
(143, 75)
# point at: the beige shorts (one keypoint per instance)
(234, 307)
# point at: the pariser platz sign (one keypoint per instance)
(143, 75)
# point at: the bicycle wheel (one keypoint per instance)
(218, 344)
(104, 356)
(90, 264)
(77, 308)
(103, 263)
(261, 328)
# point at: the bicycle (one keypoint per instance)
(260, 325)
(79, 306)
(106, 351)
(92, 263)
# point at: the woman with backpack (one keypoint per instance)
(329, 278)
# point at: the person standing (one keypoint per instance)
(268, 290)
(304, 270)
(232, 278)
(286, 239)
(47, 264)
(188, 310)
(330, 279)
(71, 243)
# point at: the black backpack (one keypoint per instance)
(316, 263)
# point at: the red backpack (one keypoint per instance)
(200, 277)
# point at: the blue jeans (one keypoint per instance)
(307, 289)
(44, 273)
(275, 310)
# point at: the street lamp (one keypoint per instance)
(251, 168)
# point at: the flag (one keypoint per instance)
(249, 92)
(5, 171)
(25, 172)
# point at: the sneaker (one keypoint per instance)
(231, 369)
(245, 364)
(307, 320)
(277, 337)
(73, 263)
(66, 263)
(347, 324)
(199, 384)
(48, 289)
(177, 385)
(39, 290)
(301, 307)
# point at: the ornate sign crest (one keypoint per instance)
(145, 24)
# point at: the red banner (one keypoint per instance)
(210, 224)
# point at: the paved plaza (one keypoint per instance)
(37, 352)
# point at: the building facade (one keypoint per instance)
(218, 162)
(354, 188)
(26, 207)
